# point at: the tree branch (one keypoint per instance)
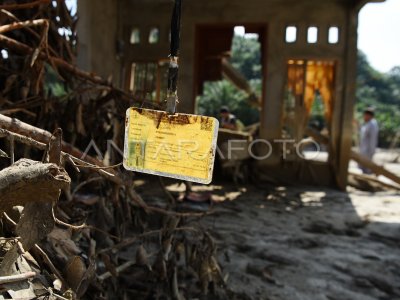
(24, 5)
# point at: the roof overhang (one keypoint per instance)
(360, 3)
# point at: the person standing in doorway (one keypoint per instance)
(369, 136)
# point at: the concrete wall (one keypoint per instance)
(97, 33)
(274, 13)
(103, 24)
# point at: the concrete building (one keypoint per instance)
(309, 47)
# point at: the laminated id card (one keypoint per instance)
(180, 146)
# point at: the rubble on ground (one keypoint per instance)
(73, 225)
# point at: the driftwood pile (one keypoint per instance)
(72, 225)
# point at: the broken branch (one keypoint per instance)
(19, 25)
(43, 136)
(10, 126)
(16, 278)
(24, 5)
(119, 269)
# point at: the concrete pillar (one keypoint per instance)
(348, 99)
(97, 32)
(271, 111)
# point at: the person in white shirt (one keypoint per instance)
(369, 136)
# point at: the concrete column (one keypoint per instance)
(271, 112)
(97, 31)
(348, 100)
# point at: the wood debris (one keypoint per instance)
(73, 225)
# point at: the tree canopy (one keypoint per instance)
(381, 90)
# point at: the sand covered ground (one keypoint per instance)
(302, 243)
(310, 244)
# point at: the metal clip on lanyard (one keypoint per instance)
(172, 95)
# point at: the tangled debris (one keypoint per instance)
(73, 225)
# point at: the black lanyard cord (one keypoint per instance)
(174, 48)
(176, 28)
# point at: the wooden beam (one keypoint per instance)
(370, 180)
(377, 169)
(365, 162)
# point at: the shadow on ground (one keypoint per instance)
(305, 243)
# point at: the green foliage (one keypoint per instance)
(53, 85)
(381, 91)
(224, 93)
(246, 57)
(217, 94)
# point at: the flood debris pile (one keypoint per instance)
(73, 225)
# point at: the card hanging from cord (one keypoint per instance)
(167, 143)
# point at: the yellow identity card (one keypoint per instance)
(180, 146)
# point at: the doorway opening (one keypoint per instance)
(308, 105)
(230, 69)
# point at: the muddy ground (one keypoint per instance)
(301, 242)
(310, 244)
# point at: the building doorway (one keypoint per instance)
(230, 69)
(309, 103)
